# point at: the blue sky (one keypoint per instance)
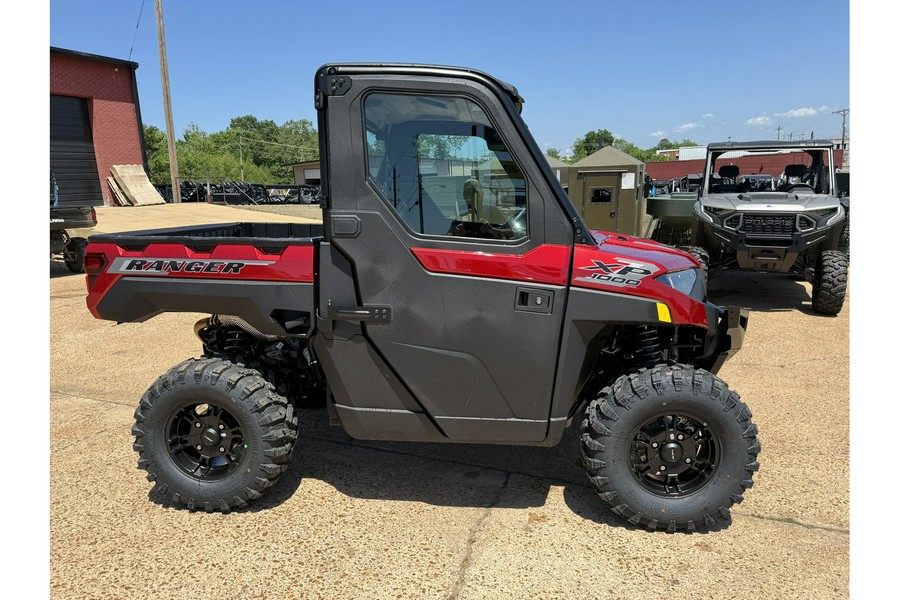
(704, 70)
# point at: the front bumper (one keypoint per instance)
(761, 252)
(724, 336)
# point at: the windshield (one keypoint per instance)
(798, 170)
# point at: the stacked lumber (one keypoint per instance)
(134, 185)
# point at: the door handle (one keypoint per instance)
(534, 300)
(371, 312)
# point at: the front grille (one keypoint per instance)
(768, 224)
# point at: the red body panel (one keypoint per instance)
(594, 267)
(547, 264)
(295, 264)
(619, 264)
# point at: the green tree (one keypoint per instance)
(157, 154)
(264, 148)
(665, 144)
(554, 153)
(591, 142)
(439, 146)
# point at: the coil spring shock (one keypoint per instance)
(231, 342)
(646, 346)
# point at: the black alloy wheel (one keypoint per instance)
(205, 441)
(673, 455)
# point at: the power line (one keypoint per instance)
(136, 30)
(843, 112)
(243, 137)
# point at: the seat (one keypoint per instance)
(794, 176)
(728, 172)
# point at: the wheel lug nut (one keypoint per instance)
(221, 449)
(199, 424)
(680, 437)
(221, 426)
(688, 460)
(662, 467)
(199, 447)
(654, 445)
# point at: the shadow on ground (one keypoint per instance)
(769, 292)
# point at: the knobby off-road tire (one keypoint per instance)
(844, 243)
(213, 435)
(830, 282)
(702, 257)
(670, 448)
(74, 254)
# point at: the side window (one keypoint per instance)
(601, 195)
(443, 168)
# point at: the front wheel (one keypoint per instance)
(213, 435)
(670, 448)
(830, 282)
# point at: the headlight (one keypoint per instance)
(684, 281)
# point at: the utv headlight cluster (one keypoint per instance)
(684, 281)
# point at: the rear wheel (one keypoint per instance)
(213, 435)
(670, 448)
(74, 254)
(830, 282)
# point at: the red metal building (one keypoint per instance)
(95, 123)
(772, 164)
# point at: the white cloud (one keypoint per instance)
(799, 112)
(759, 121)
(686, 127)
(824, 108)
(708, 116)
(658, 134)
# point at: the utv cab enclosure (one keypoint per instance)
(452, 294)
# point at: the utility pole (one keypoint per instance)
(778, 132)
(167, 102)
(843, 112)
(241, 146)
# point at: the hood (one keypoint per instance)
(667, 257)
(770, 201)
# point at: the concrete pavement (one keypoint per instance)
(353, 519)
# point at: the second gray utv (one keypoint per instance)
(788, 223)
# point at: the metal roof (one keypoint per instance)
(607, 156)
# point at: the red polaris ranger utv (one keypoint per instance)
(452, 294)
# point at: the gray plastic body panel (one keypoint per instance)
(136, 299)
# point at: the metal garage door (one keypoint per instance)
(72, 160)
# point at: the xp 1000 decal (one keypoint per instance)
(617, 271)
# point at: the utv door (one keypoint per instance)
(455, 257)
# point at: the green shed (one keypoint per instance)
(560, 170)
(607, 188)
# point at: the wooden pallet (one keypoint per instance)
(135, 185)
